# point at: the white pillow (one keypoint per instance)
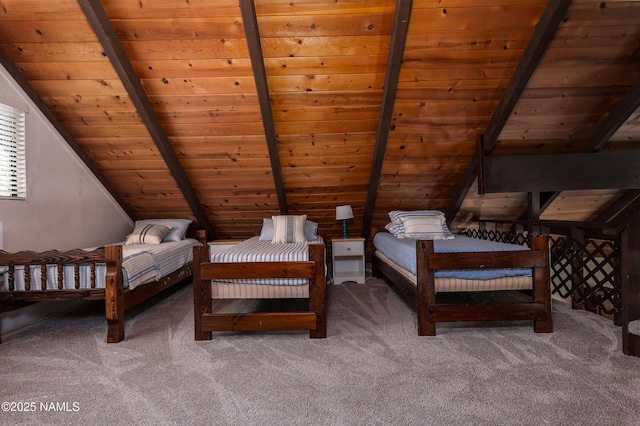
(424, 228)
(419, 224)
(266, 233)
(178, 227)
(288, 228)
(147, 234)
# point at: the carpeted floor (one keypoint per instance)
(371, 370)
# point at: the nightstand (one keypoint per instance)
(220, 245)
(348, 260)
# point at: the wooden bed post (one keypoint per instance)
(317, 292)
(201, 293)
(114, 294)
(426, 288)
(542, 286)
(630, 273)
(372, 234)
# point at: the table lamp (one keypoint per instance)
(343, 213)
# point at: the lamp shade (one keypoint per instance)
(344, 212)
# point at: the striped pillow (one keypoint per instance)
(147, 234)
(420, 224)
(288, 229)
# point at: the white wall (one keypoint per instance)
(66, 206)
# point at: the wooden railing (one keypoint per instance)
(585, 262)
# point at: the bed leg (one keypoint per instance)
(426, 288)
(114, 294)
(542, 286)
(318, 292)
(201, 293)
(374, 269)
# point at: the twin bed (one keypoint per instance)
(123, 275)
(448, 264)
(275, 265)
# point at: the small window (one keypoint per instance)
(13, 181)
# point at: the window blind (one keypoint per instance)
(12, 153)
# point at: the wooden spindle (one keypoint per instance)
(43, 277)
(76, 275)
(92, 268)
(27, 277)
(12, 271)
(60, 276)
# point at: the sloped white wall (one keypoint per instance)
(66, 206)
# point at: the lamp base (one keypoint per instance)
(344, 228)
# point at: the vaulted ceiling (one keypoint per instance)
(229, 111)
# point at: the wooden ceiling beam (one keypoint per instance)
(559, 172)
(99, 21)
(549, 21)
(252, 33)
(46, 111)
(622, 219)
(617, 209)
(394, 62)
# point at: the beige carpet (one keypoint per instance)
(372, 370)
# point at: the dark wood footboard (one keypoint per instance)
(314, 320)
(423, 296)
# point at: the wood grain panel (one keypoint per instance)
(183, 86)
(160, 9)
(89, 103)
(207, 28)
(203, 101)
(504, 16)
(185, 49)
(75, 88)
(330, 25)
(24, 10)
(580, 205)
(67, 70)
(50, 31)
(325, 65)
(307, 7)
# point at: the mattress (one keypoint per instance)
(452, 284)
(244, 290)
(141, 264)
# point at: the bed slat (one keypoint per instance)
(485, 260)
(249, 270)
(266, 321)
(486, 312)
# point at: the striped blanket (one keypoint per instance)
(254, 250)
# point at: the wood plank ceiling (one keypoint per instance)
(230, 111)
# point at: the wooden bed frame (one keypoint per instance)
(314, 320)
(117, 298)
(423, 296)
